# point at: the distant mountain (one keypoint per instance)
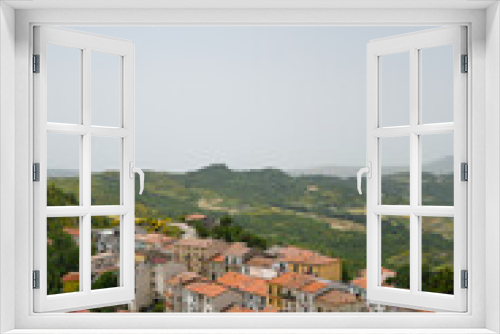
(441, 166)
(62, 173)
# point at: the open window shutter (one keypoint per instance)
(415, 209)
(83, 251)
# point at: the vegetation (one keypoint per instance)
(228, 231)
(267, 207)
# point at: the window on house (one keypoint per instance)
(281, 198)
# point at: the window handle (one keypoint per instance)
(139, 171)
(368, 171)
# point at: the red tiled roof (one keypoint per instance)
(72, 231)
(314, 287)
(202, 243)
(206, 288)
(259, 261)
(195, 216)
(154, 238)
(183, 277)
(237, 308)
(298, 255)
(292, 280)
(249, 284)
(335, 297)
(69, 277)
(217, 258)
(270, 309)
(237, 249)
(360, 281)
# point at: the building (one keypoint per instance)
(152, 242)
(235, 255)
(106, 240)
(216, 267)
(74, 232)
(104, 262)
(161, 271)
(339, 301)
(208, 297)
(307, 294)
(282, 292)
(253, 290)
(195, 253)
(143, 287)
(174, 288)
(260, 266)
(308, 262)
(71, 282)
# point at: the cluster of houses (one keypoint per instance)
(208, 275)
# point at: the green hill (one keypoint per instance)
(322, 213)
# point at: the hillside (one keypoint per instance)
(322, 213)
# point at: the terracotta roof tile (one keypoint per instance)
(206, 288)
(72, 276)
(249, 284)
(237, 249)
(335, 297)
(314, 287)
(270, 309)
(304, 256)
(195, 216)
(259, 261)
(292, 280)
(72, 231)
(237, 309)
(183, 278)
(217, 258)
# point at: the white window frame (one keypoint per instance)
(86, 43)
(413, 43)
(484, 83)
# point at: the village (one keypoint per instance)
(193, 274)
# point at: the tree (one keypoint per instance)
(108, 279)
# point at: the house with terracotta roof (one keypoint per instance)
(283, 290)
(307, 262)
(235, 255)
(216, 267)
(74, 232)
(71, 282)
(143, 289)
(253, 290)
(195, 253)
(339, 301)
(174, 287)
(295, 292)
(261, 266)
(208, 297)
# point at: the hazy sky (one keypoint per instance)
(250, 97)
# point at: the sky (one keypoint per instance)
(249, 97)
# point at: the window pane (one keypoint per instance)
(395, 271)
(63, 169)
(395, 89)
(106, 162)
(395, 170)
(106, 89)
(63, 84)
(63, 255)
(437, 84)
(437, 169)
(437, 254)
(105, 252)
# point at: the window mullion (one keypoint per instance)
(86, 165)
(414, 171)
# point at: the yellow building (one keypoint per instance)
(303, 261)
(283, 290)
(71, 282)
